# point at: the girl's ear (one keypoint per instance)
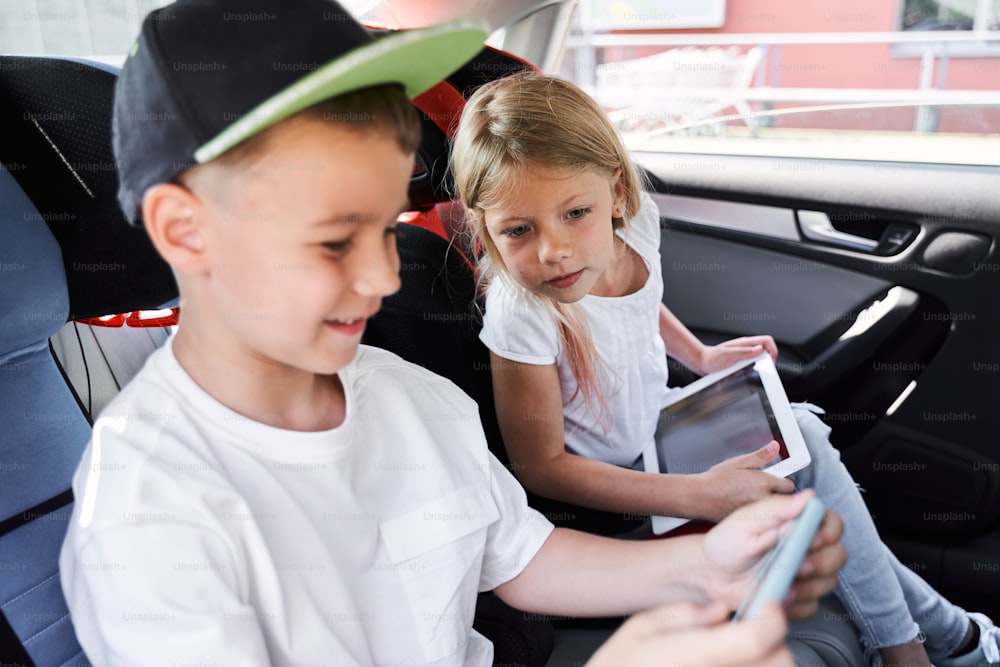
(173, 216)
(618, 194)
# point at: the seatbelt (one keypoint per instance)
(41, 509)
(69, 381)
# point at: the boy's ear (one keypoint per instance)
(173, 217)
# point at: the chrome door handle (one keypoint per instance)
(816, 226)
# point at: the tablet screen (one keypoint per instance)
(730, 417)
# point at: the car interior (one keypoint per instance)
(878, 281)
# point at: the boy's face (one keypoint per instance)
(302, 243)
(555, 233)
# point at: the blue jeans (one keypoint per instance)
(888, 602)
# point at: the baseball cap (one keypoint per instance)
(205, 75)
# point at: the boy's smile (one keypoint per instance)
(555, 233)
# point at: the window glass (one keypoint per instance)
(100, 29)
(911, 80)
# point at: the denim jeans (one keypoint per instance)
(888, 602)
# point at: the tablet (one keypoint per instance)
(725, 414)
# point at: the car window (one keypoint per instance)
(101, 30)
(898, 80)
(98, 29)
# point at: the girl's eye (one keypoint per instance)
(578, 213)
(516, 232)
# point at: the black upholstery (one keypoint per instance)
(56, 116)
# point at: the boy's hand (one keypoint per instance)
(717, 357)
(818, 574)
(733, 483)
(690, 634)
(736, 548)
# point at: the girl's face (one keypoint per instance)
(554, 233)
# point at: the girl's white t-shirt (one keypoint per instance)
(626, 334)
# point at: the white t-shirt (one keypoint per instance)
(626, 333)
(202, 537)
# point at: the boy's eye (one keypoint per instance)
(577, 213)
(342, 246)
(515, 232)
(338, 246)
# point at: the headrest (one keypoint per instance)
(33, 297)
(440, 108)
(56, 115)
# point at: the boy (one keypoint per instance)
(268, 491)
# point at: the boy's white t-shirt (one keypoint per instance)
(202, 537)
(626, 334)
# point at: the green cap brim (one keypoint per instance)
(416, 59)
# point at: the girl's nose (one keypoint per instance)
(554, 247)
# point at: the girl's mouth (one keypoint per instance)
(568, 280)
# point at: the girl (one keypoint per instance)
(578, 337)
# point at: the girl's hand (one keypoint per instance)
(727, 486)
(736, 548)
(690, 634)
(717, 357)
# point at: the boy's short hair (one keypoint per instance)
(385, 109)
(205, 75)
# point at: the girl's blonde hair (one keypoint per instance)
(532, 120)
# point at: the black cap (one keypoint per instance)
(205, 75)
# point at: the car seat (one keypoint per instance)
(44, 435)
(67, 253)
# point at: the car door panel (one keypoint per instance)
(883, 300)
(784, 296)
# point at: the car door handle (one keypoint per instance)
(816, 226)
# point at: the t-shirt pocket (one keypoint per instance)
(437, 550)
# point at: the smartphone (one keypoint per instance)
(778, 571)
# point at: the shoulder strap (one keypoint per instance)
(11, 524)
